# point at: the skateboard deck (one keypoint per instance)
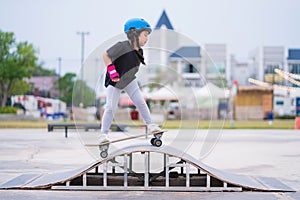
(155, 141)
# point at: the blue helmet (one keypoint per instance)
(138, 24)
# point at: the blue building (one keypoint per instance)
(293, 62)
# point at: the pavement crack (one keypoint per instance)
(33, 153)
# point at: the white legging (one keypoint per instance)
(112, 99)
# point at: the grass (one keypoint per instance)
(277, 124)
(173, 124)
(23, 124)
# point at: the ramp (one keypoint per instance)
(144, 167)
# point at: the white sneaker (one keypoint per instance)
(103, 138)
(153, 128)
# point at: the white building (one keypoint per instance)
(186, 61)
(240, 72)
(173, 58)
(216, 62)
(265, 59)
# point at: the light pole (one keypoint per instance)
(59, 85)
(82, 33)
(82, 49)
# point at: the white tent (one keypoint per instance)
(212, 91)
(205, 97)
(167, 93)
(208, 96)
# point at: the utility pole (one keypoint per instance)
(82, 34)
(59, 85)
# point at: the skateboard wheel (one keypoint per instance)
(152, 141)
(157, 142)
(103, 154)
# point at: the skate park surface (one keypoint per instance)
(270, 153)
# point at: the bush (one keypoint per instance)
(8, 110)
(285, 117)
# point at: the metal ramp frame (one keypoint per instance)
(131, 168)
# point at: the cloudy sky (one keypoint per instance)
(51, 25)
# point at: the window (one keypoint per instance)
(189, 68)
(192, 83)
(279, 103)
(217, 67)
(295, 68)
(271, 76)
(270, 69)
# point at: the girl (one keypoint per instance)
(122, 61)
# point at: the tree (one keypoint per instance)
(40, 71)
(20, 87)
(71, 91)
(17, 60)
(65, 85)
(83, 95)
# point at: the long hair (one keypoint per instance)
(133, 37)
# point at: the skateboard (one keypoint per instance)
(155, 141)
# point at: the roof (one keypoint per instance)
(246, 88)
(43, 82)
(187, 52)
(212, 91)
(164, 20)
(294, 54)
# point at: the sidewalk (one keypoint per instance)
(272, 153)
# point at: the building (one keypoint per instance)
(252, 102)
(163, 41)
(44, 86)
(186, 61)
(216, 62)
(240, 72)
(171, 54)
(293, 63)
(265, 59)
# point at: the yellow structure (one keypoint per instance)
(253, 102)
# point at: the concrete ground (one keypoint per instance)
(271, 153)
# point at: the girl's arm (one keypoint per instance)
(114, 75)
(107, 59)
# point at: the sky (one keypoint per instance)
(243, 25)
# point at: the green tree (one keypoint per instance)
(83, 94)
(40, 71)
(65, 85)
(17, 59)
(74, 92)
(20, 87)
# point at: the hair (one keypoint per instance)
(133, 37)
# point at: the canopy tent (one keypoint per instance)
(126, 101)
(167, 93)
(208, 96)
(212, 91)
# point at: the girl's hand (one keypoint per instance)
(115, 79)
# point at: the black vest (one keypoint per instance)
(127, 62)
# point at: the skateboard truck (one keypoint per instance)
(156, 141)
(103, 150)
